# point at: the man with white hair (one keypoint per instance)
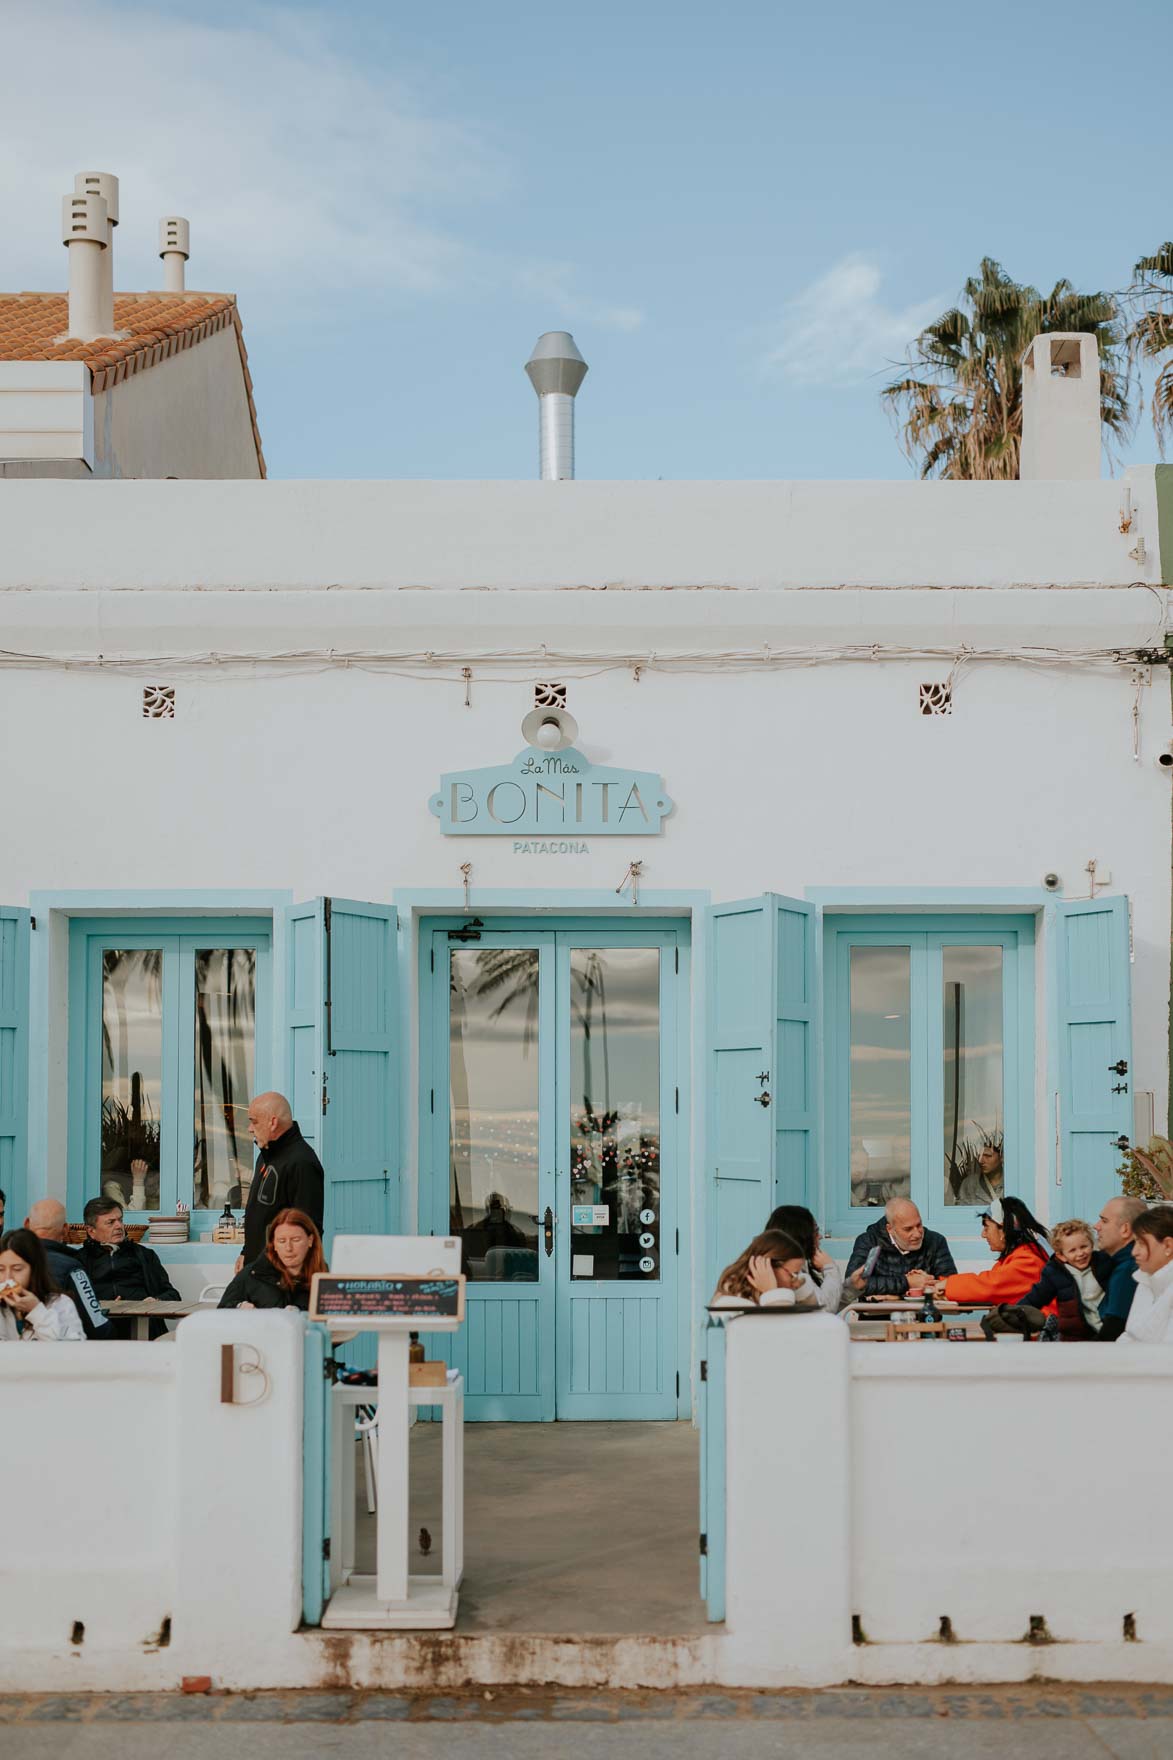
(900, 1243)
(287, 1176)
(46, 1220)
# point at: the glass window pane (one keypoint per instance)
(132, 1071)
(881, 1074)
(972, 1040)
(615, 1113)
(493, 1110)
(225, 1062)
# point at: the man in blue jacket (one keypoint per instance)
(902, 1244)
(1114, 1233)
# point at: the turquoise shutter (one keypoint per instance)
(342, 1062)
(762, 1024)
(315, 1477)
(795, 1069)
(14, 1017)
(1094, 1037)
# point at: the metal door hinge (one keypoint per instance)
(678, 1099)
(432, 957)
(678, 1240)
(326, 1548)
(704, 1368)
(678, 1383)
(432, 1106)
(677, 953)
(325, 1097)
(704, 1546)
(32, 922)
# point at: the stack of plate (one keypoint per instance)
(167, 1231)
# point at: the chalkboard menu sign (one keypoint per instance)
(373, 1300)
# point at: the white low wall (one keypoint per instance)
(900, 1485)
(132, 1497)
(88, 1493)
(907, 1484)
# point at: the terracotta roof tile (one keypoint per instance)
(156, 324)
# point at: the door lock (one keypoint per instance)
(1120, 1088)
(1121, 1143)
(762, 1099)
(548, 1230)
(1118, 1069)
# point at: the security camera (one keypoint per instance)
(1165, 759)
(1052, 882)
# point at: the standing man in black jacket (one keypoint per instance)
(288, 1175)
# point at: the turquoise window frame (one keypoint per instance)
(927, 934)
(180, 936)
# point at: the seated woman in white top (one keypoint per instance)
(31, 1306)
(824, 1279)
(769, 1274)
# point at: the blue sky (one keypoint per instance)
(743, 212)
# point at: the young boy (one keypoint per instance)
(1150, 1318)
(1074, 1280)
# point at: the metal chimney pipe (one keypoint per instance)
(556, 370)
(175, 249)
(85, 230)
(104, 184)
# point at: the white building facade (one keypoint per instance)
(857, 861)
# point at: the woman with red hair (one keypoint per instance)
(281, 1277)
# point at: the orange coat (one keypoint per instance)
(1006, 1281)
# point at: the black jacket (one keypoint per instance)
(65, 1268)
(890, 1277)
(131, 1273)
(1057, 1285)
(260, 1284)
(288, 1175)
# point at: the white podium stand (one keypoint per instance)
(424, 1292)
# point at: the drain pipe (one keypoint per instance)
(556, 370)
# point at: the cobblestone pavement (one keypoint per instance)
(1051, 1723)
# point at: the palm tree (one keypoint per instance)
(1151, 336)
(959, 407)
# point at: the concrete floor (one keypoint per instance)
(587, 1529)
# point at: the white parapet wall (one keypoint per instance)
(1001, 1489)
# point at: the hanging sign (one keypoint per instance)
(544, 793)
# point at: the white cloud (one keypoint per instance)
(303, 170)
(838, 330)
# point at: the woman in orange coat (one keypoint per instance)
(1010, 1231)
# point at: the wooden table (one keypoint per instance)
(879, 1313)
(142, 1313)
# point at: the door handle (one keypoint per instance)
(548, 1230)
(762, 1099)
(1121, 1143)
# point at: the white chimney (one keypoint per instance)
(175, 249)
(85, 229)
(556, 370)
(1061, 408)
(104, 184)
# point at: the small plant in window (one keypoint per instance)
(973, 1168)
(1148, 1172)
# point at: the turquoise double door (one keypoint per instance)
(551, 1149)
